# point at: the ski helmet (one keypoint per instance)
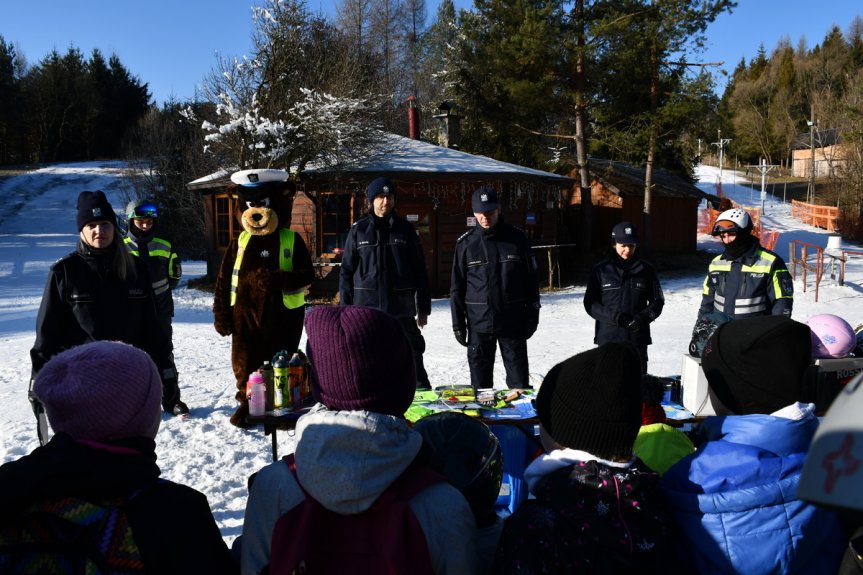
(832, 336)
(733, 220)
(471, 456)
(141, 209)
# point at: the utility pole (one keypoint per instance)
(720, 143)
(763, 168)
(810, 192)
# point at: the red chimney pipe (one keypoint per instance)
(413, 118)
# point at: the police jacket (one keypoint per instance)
(755, 283)
(162, 263)
(735, 499)
(383, 267)
(618, 287)
(494, 288)
(85, 301)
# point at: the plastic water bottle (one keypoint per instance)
(269, 380)
(281, 395)
(295, 372)
(257, 390)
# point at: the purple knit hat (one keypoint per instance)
(361, 360)
(101, 390)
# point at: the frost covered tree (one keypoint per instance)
(300, 97)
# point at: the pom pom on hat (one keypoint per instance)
(592, 401)
(94, 207)
(101, 390)
(361, 360)
(756, 365)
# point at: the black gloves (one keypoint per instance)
(635, 324)
(460, 335)
(624, 319)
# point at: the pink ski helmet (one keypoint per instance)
(832, 336)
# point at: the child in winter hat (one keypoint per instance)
(103, 390)
(361, 360)
(94, 207)
(757, 365)
(592, 401)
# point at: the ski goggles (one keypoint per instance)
(145, 210)
(725, 227)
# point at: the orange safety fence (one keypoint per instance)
(825, 217)
(707, 219)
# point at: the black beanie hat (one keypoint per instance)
(93, 207)
(592, 401)
(756, 365)
(380, 186)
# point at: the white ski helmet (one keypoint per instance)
(737, 221)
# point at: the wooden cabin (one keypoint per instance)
(826, 148)
(617, 194)
(433, 191)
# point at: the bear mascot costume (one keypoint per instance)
(259, 298)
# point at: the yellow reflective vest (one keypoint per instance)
(291, 299)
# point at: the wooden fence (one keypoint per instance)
(825, 217)
(808, 258)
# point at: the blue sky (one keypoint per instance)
(173, 45)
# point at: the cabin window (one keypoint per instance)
(224, 221)
(335, 221)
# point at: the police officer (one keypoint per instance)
(746, 280)
(383, 267)
(494, 294)
(158, 253)
(623, 294)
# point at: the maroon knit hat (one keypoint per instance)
(101, 390)
(361, 360)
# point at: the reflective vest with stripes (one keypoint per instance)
(758, 295)
(291, 299)
(165, 276)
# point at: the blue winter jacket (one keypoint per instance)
(735, 500)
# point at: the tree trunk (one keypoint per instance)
(580, 145)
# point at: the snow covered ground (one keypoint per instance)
(37, 215)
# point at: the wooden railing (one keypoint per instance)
(810, 258)
(825, 217)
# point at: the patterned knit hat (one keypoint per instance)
(361, 360)
(94, 207)
(756, 365)
(592, 401)
(101, 390)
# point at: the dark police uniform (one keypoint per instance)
(621, 292)
(756, 283)
(383, 267)
(494, 293)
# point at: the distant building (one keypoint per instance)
(617, 194)
(829, 154)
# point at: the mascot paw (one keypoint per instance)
(264, 281)
(223, 329)
(238, 419)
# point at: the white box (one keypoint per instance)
(694, 383)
